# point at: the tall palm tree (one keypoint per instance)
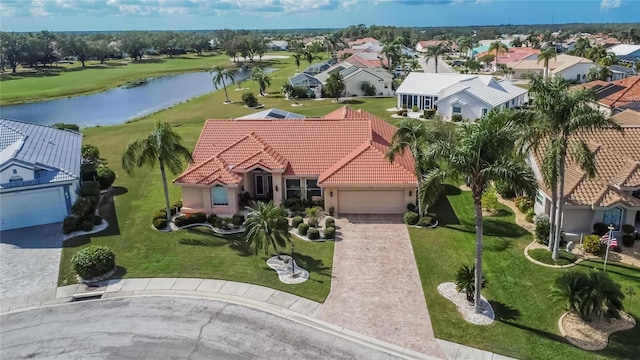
(219, 74)
(391, 51)
(162, 146)
(464, 43)
(264, 227)
(434, 52)
(498, 46)
(258, 75)
(481, 153)
(596, 53)
(557, 115)
(297, 57)
(544, 56)
(599, 72)
(582, 47)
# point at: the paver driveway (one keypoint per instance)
(29, 259)
(376, 289)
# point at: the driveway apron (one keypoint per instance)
(376, 289)
(29, 259)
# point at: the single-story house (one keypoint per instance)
(613, 195)
(317, 68)
(471, 96)
(272, 114)
(422, 46)
(278, 45)
(309, 82)
(511, 57)
(572, 68)
(363, 41)
(354, 76)
(619, 72)
(39, 173)
(617, 96)
(339, 158)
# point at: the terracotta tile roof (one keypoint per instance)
(617, 158)
(514, 55)
(627, 118)
(621, 94)
(366, 59)
(363, 41)
(300, 147)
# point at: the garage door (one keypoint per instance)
(371, 202)
(32, 207)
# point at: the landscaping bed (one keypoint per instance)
(544, 256)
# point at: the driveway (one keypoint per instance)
(375, 286)
(430, 67)
(168, 328)
(29, 259)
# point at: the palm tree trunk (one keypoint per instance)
(556, 240)
(436, 62)
(166, 189)
(477, 201)
(552, 215)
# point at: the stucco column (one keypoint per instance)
(278, 188)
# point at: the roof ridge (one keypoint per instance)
(393, 163)
(636, 166)
(626, 89)
(198, 166)
(345, 160)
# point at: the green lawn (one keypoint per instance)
(544, 256)
(526, 326)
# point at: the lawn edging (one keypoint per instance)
(595, 347)
(534, 242)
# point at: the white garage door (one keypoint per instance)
(32, 207)
(371, 202)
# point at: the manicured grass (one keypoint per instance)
(527, 317)
(544, 256)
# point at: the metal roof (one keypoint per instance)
(304, 79)
(272, 114)
(431, 84)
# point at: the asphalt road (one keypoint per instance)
(166, 328)
(430, 67)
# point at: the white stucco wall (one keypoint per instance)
(472, 108)
(578, 220)
(572, 72)
(7, 172)
(352, 84)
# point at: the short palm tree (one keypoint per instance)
(481, 153)
(592, 295)
(497, 46)
(297, 57)
(258, 75)
(264, 227)
(434, 52)
(465, 281)
(219, 74)
(544, 56)
(162, 146)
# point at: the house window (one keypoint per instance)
(312, 188)
(578, 77)
(219, 195)
(485, 111)
(455, 109)
(513, 102)
(540, 198)
(294, 191)
(427, 103)
(613, 217)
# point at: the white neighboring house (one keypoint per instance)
(471, 96)
(354, 76)
(278, 45)
(39, 173)
(571, 68)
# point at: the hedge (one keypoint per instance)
(89, 188)
(92, 261)
(160, 223)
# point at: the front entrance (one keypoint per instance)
(263, 183)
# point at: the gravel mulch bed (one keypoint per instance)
(282, 266)
(592, 335)
(486, 315)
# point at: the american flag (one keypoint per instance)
(605, 239)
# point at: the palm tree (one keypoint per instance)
(582, 47)
(264, 227)
(592, 295)
(465, 280)
(600, 72)
(162, 146)
(596, 53)
(464, 43)
(308, 55)
(297, 57)
(263, 80)
(219, 74)
(481, 153)
(544, 56)
(557, 115)
(499, 47)
(434, 52)
(391, 51)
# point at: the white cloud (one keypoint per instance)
(610, 4)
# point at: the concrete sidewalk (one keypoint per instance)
(285, 305)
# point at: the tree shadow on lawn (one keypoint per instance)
(352, 102)
(495, 227)
(537, 332)
(443, 209)
(612, 268)
(213, 242)
(504, 312)
(107, 210)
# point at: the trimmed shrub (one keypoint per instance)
(198, 217)
(249, 99)
(183, 220)
(237, 219)
(456, 117)
(71, 223)
(92, 261)
(523, 204)
(411, 207)
(592, 244)
(89, 188)
(543, 226)
(297, 220)
(411, 218)
(97, 220)
(415, 108)
(160, 223)
(329, 222)
(600, 228)
(177, 204)
(330, 233)
(303, 229)
(404, 113)
(161, 214)
(490, 201)
(400, 112)
(505, 189)
(628, 229)
(64, 126)
(106, 177)
(83, 206)
(332, 210)
(282, 224)
(530, 215)
(313, 234)
(428, 114)
(426, 221)
(628, 240)
(88, 172)
(211, 219)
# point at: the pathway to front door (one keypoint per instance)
(376, 289)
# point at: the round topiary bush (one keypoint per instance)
(160, 223)
(411, 207)
(162, 214)
(93, 261)
(411, 218)
(106, 177)
(211, 219)
(329, 222)
(87, 225)
(628, 240)
(628, 229)
(297, 220)
(329, 232)
(426, 221)
(303, 229)
(600, 228)
(530, 215)
(313, 234)
(71, 223)
(237, 219)
(592, 244)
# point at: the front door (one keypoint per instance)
(263, 184)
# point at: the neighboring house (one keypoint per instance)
(367, 59)
(353, 77)
(272, 114)
(479, 49)
(619, 72)
(627, 54)
(613, 195)
(39, 173)
(309, 82)
(470, 96)
(616, 96)
(278, 45)
(340, 158)
(512, 57)
(317, 68)
(571, 68)
(363, 41)
(422, 46)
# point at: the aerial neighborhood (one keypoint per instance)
(368, 192)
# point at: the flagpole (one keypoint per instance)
(606, 256)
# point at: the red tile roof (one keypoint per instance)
(333, 146)
(622, 93)
(363, 41)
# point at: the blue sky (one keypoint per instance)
(60, 15)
